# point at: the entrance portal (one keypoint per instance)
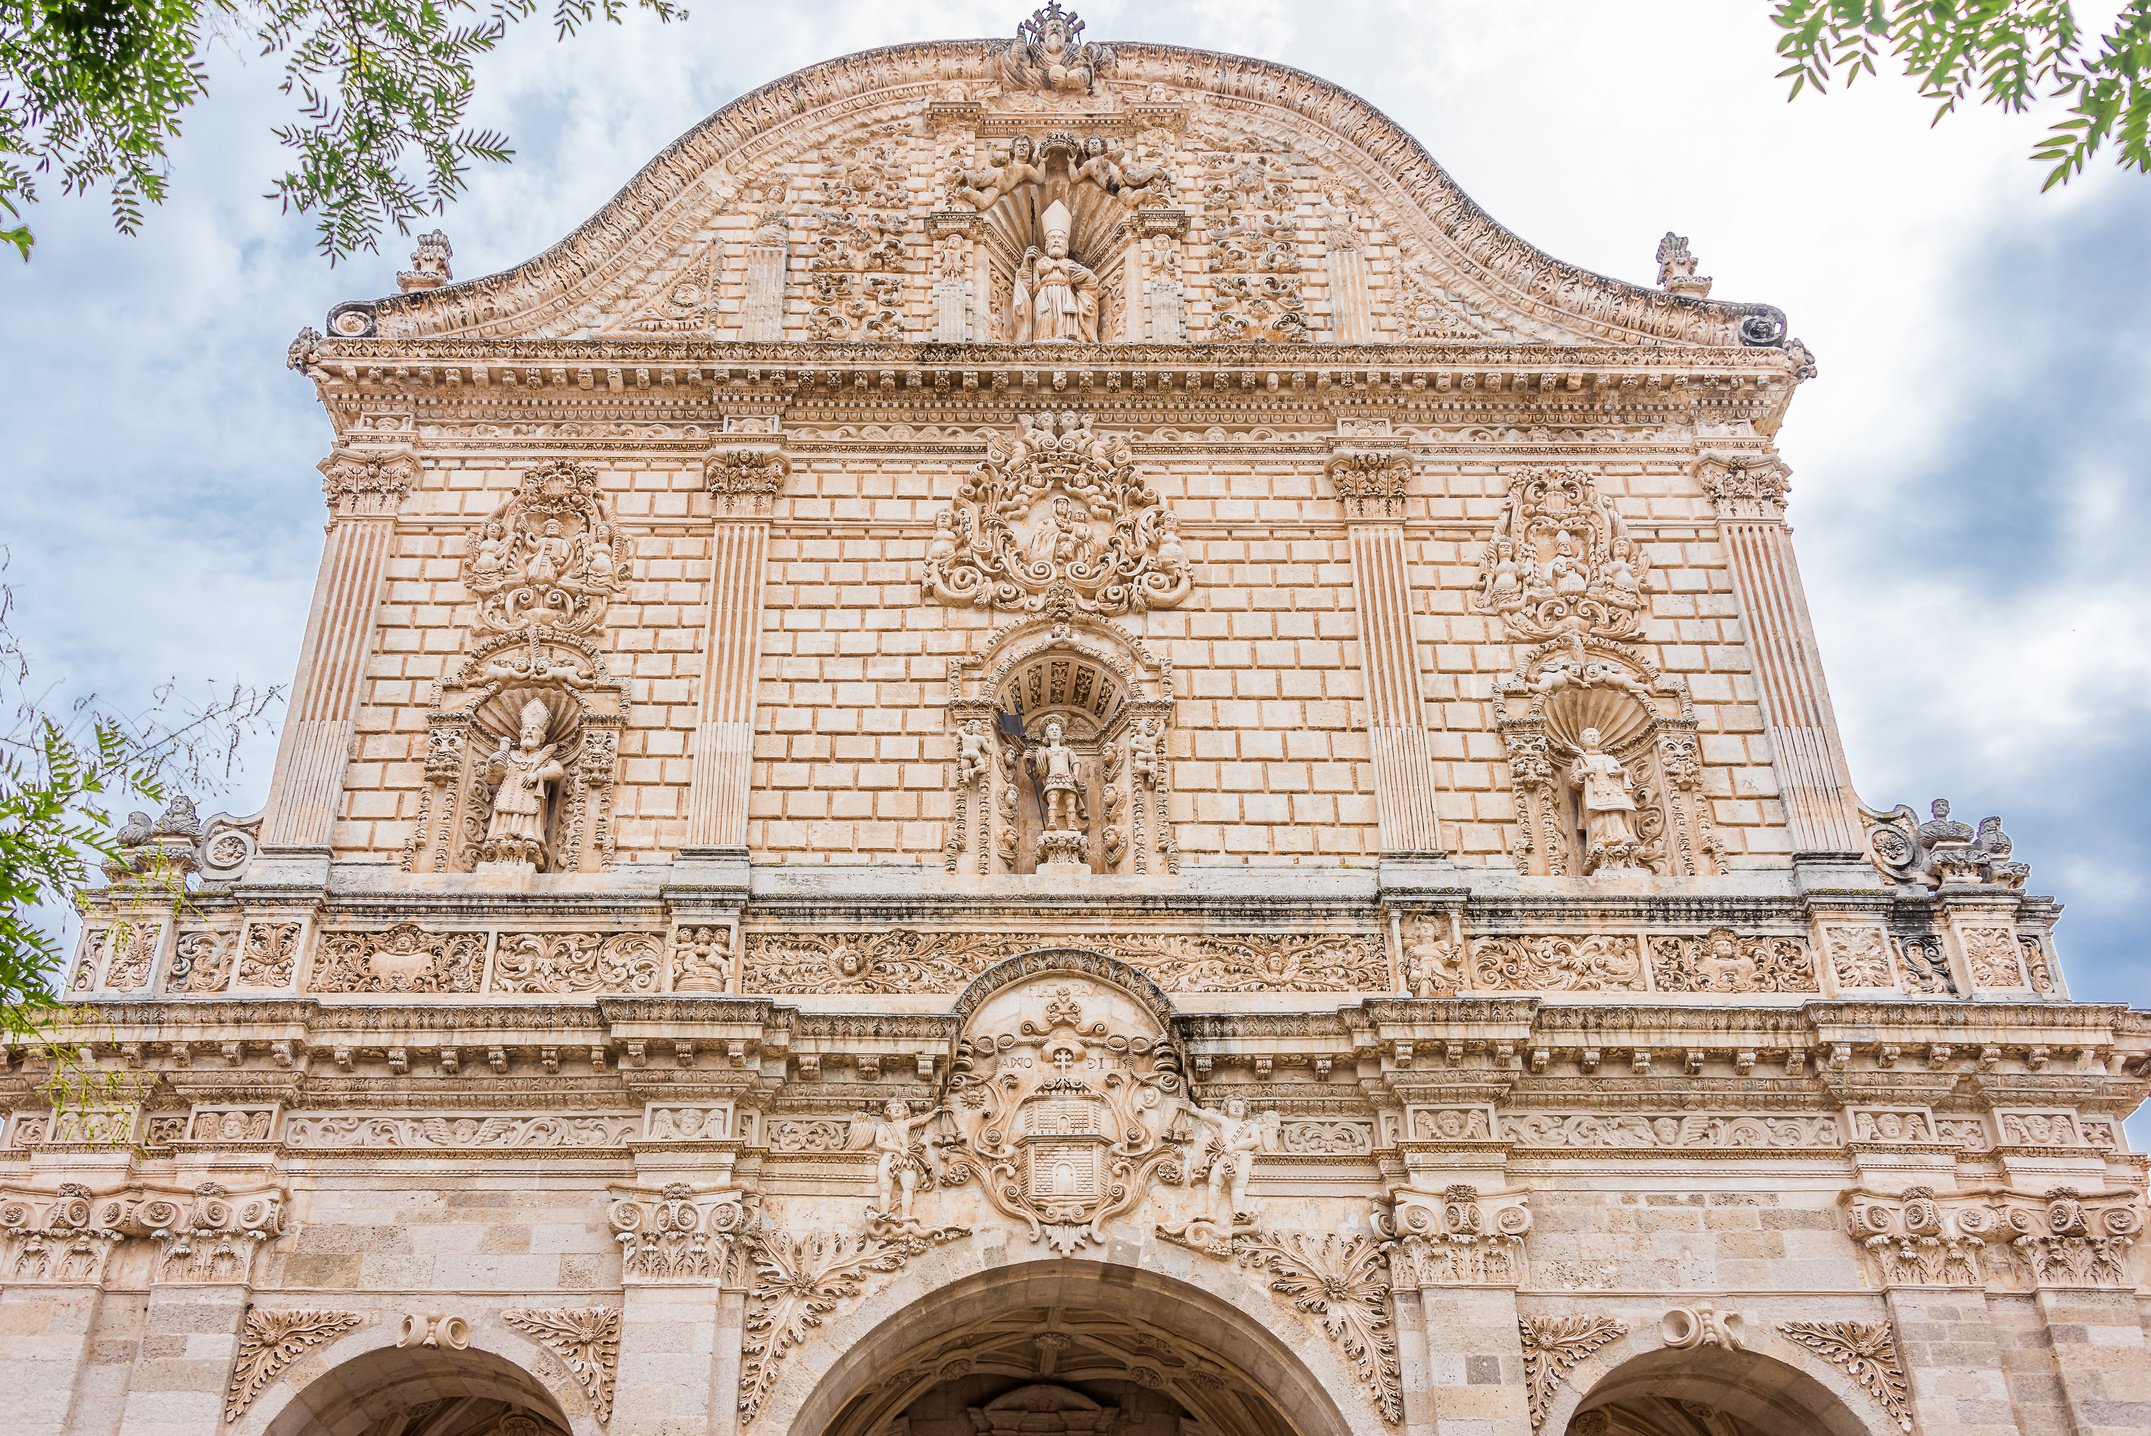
(1069, 1347)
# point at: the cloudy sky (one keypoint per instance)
(1971, 490)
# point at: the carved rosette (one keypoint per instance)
(1057, 513)
(906, 960)
(1548, 710)
(551, 556)
(1559, 561)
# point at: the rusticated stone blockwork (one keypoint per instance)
(1042, 744)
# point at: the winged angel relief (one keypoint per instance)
(1058, 508)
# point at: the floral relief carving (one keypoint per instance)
(587, 1341)
(405, 958)
(1560, 561)
(1859, 956)
(1553, 1346)
(269, 954)
(1325, 1137)
(799, 1280)
(1057, 510)
(793, 1134)
(550, 556)
(1992, 956)
(269, 1341)
(855, 268)
(1866, 1351)
(1342, 1281)
(1251, 204)
(1723, 961)
(121, 956)
(1599, 963)
(530, 962)
(201, 962)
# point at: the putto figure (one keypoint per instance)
(1235, 1138)
(1056, 299)
(515, 833)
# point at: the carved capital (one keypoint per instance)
(681, 1234)
(1745, 486)
(367, 483)
(1371, 482)
(1458, 1237)
(745, 479)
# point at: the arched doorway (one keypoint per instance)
(1065, 1347)
(1712, 1391)
(422, 1392)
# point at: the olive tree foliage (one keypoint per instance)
(92, 91)
(2008, 53)
(65, 767)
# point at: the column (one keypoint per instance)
(1749, 492)
(1371, 482)
(743, 481)
(1953, 1361)
(190, 1336)
(2101, 1357)
(363, 492)
(1351, 317)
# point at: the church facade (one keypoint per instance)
(1042, 743)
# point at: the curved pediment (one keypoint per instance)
(982, 191)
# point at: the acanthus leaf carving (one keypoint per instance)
(1553, 1346)
(1371, 482)
(1459, 1237)
(1722, 960)
(1057, 511)
(680, 1234)
(405, 958)
(1866, 1351)
(269, 1341)
(1338, 1278)
(1996, 1237)
(576, 962)
(800, 1280)
(367, 482)
(587, 1341)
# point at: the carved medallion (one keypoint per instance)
(549, 557)
(1057, 509)
(1559, 561)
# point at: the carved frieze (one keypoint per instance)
(405, 958)
(1724, 961)
(446, 1131)
(268, 955)
(1638, 1131)
(1557, 963)
(576, 962)
(201, 961)
(1057, 510)
(908, 960)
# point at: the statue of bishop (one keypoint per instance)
(1056, 299)
(515, 833)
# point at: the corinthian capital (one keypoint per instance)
(1745, 486)
(357, 482)
(747, 477)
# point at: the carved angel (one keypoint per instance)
(983, 188)
(904, 1146)
(1234, 1139)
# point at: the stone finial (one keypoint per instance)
(429, 263)
(1676, 268)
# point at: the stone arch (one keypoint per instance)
(1220, 1323)
(1045, 961)
(346, 1386)
(1770, 1388)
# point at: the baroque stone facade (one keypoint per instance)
(1042, 743)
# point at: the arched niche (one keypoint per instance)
(1638, 1388)
(1112, 705)
(1586, 722)
(481, 707)
(1072, 1341)
(367, 1386)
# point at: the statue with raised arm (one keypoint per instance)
(903, 1157)
(1235, 1137)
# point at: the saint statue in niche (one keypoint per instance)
(1608, 806)
(1056, 299)
(1054, 764)
(515, 832)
